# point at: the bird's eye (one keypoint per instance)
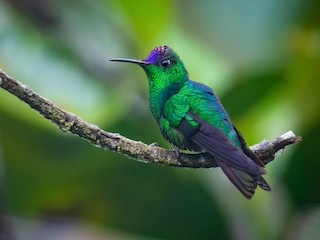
(165, 63)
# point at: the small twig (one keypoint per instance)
(69, 122)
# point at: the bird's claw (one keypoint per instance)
(154, 144)
(176, 150)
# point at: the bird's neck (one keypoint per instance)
(159, 95)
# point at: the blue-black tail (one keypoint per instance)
(241, 166)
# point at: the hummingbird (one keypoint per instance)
(191, 117)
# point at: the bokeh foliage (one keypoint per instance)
(262, 59)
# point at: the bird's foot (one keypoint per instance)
(176, 150)
(154, 144)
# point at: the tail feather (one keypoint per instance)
(263, 184)
(244, 182)
(244, 171)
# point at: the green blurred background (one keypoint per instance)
(261, 57)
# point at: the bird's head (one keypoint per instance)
(162, 66)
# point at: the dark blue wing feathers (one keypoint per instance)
(243, 171)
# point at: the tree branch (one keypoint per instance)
(69, 122)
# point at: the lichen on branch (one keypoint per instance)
(69, 122)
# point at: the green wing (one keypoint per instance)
(195, 119)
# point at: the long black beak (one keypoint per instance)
(140, 62)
